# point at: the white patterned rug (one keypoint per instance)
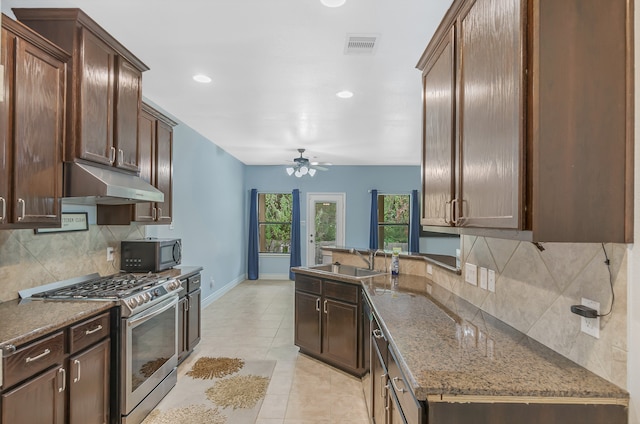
(216, 390)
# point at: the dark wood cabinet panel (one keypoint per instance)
(537, 158)
(438, 155)
(144, 212)
(183, 333)
(96, 81)
(33, 358)
(89, 385)
(39, 400)
(189, 315)
(379, 380)
(32, 130)
(194, 318)
(340, 332)
(164, 171)
(128, 102)
(308, 321)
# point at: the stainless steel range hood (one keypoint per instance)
(92, 185)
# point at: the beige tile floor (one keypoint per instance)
(254, 320)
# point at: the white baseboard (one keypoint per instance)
(221, 291)
(273, 276)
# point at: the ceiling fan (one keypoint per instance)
(302, 166)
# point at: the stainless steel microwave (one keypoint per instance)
(150, 254)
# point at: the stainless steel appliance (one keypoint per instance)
(150, 254)
(146, 339)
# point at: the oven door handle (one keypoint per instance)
(153, 311)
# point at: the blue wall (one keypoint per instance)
(355, 181)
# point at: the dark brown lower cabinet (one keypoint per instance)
(89, 385)
(38, 400)
(379, 393)
(189, 315)
(329, 322)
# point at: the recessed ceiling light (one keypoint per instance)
(201, 78)
(344, 94)
(333, 3)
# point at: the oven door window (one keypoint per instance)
(151, 350)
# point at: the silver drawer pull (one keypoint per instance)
(318, 304)
(377, 333)
(98, 328)
(35, 358)
(64, 380)
(77, 363)
(395, 386)
(383, 393)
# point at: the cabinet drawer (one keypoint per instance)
(33, 358)
(194, 282)
(308, 284)
(341, 291)
(411, 408)
(88, 332)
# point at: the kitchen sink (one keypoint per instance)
(347, 270)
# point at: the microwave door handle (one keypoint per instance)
(152, 312)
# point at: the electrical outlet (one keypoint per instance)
(212, 283)
(491, 281)
(110, 251)
(471, 274)
(429, 269)
(483, 278)
(591, 326)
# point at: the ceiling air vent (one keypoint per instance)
(361, 43)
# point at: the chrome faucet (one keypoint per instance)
(369, 261)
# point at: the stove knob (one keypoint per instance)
(147, 296)
(140, 299)
(132, 303)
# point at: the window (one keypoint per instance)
(274, 222)
(393, 221)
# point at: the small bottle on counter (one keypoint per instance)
(395, 261)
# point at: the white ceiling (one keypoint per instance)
(276, 66)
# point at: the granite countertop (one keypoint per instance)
(26, 321)
(447, 347)
(180, 271)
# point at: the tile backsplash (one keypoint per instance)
(29, 260)
(535, 290)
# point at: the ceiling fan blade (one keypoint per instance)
(320, 168)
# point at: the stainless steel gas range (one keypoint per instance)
(145, 339)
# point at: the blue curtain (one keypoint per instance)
(373, 225)
(295, 234)
(414, 224)
(252, 266)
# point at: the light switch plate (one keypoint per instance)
(471, 273)
(591, 326)
(483, 278)
(491, 281)
(110, 254)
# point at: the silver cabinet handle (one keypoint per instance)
(395, 386)
(324, 307)
(121, 153)
(159, 213)
(153, 214)
(22, 209)
(4, 209)
(453, 212)
(98, 328)
(187, 304)
(35, 358)
(383, 394)
(377, 333)
(64, 380)
(318, 304)
(77, 364)
(112, 155)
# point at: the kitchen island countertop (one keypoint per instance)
(449, 349)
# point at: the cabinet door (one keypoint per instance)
(5, 129)
(39, 400)
(308, 322)
(38, 132)
(340, 332)
(164, 172)
(379, 381)
(183, 321)
(96, 100)
(128, 99)
(147, 145)
(89, 385)
(394, 412)
(438, 150)
(491, 114)
(194, 318)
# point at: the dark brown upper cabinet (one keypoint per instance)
(155, 144)
(527, 121)
(31, 128)
(104, 88)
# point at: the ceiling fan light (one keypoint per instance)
(298, 173)
(304, 170)
(333, 3)
(312, 172)
(290, 170)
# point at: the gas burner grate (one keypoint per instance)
(112, 287)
